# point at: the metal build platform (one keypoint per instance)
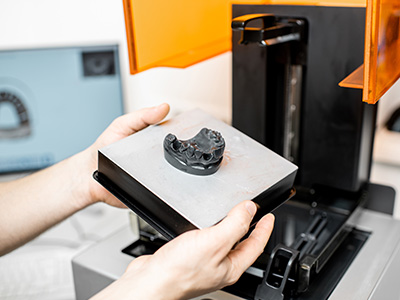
(135, 171)
(371, 275)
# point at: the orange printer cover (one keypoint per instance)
(180, 33)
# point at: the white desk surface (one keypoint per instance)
(41, 269)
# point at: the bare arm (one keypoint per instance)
(194, 263)
(31, 205)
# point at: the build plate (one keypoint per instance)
(135, 170)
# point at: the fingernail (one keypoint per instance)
(251, 207)
(271, 216)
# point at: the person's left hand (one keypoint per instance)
(120, 128)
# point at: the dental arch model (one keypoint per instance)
(23, 129)
(200, 155)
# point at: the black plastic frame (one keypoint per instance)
(160, 215)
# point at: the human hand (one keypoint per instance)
(196, 262)
(120, 128)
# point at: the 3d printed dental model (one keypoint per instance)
(200, 155)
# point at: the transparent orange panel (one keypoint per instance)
(355, 79)
(382, 48)
(176, 33)
(180, 33)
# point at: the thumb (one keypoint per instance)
(235, 225)
(138, 120)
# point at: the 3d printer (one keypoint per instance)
(333, 239)
(285, 74)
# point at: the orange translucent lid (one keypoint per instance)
(175, 33)
(381, 67)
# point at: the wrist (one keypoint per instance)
(82, 166)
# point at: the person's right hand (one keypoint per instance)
(196, 262)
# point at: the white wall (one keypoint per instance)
(43, 23)
(388, 104)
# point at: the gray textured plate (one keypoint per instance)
(247, 172)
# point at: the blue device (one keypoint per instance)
(55, 102)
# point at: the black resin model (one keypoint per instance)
(200, 155)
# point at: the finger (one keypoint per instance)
(138, 120)
(246, 253)
(235, 225)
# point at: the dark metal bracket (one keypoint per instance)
(288, 264)
(274, 29)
